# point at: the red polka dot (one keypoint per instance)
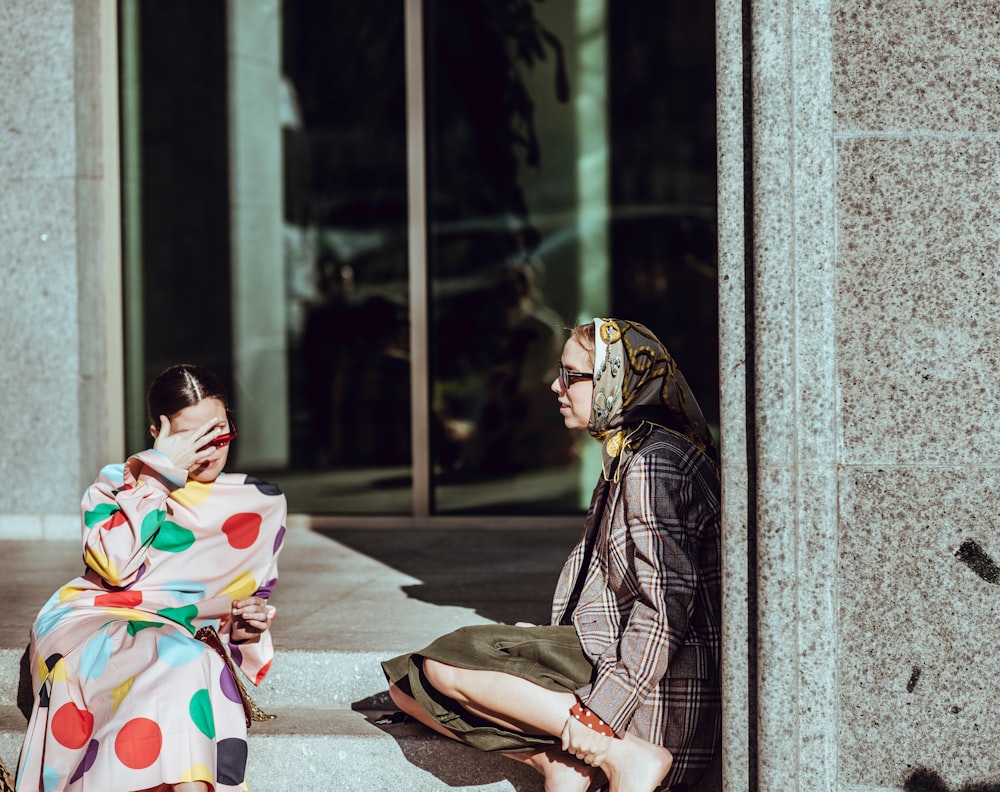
(72, 726)
(263, 672)
(118, 599)
(117, 518)
(138, 743)
(242, 529)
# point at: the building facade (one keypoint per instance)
(858, 238)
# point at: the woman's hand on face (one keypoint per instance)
(188, 448)
(251, 618)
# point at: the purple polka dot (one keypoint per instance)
(279, 537)
(88, 761)
(228, 685)
(236, 654)
(267, 589)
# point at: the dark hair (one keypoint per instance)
(180, 386)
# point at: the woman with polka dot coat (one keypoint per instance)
(126, 698)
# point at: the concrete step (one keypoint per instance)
(340, 612)
(345, 602)
(297, 679)
(344, 749)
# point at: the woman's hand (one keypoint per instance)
(587, 745)
(188, 448)
(251, 618)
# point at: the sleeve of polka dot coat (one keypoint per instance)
(122, 511)
(254, 659)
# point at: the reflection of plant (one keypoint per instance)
(482, 112)
(527, 37)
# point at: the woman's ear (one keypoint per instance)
(153, 431)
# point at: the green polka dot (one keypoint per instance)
(184, 615)
(150, 523)
(171, 538)
(201, 713)
(99, 514)
(134, 625)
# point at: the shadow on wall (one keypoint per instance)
(924, 780)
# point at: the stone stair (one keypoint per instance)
(340, 611)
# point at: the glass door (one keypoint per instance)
(377, 221)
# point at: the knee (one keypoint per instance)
(399, 698)
(442, 677)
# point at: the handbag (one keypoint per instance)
(6, 782)
(251, 712)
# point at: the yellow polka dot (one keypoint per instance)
(68, 593)
(58, 673)
(241, 587)
(197, 772)
(130, 614)
(119, 693)
(194, 493)
(103, 566)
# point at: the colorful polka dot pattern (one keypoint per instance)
(121, 636)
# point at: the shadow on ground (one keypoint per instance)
(504, 575)
(452, 763)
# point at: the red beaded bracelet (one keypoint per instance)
(590, 720)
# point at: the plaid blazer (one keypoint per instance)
(642, 588)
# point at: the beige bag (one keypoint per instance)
(6, 782)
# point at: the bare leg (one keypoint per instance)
(562, 772)
(412, 707)
(192, 786)
(632, 765)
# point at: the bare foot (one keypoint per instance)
(634, 765)
(562, 772)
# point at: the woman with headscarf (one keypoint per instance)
(625, 679)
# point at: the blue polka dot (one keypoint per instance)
(177, 649)
(47, 621)
(50, 778)
(95, 656)
(186, 591)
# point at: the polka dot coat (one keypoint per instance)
(125, 697)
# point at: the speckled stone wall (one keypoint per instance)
(859, 370)
(53, 244)
(917, 118)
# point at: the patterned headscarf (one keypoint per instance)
(637, 386)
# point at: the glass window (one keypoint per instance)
(570, 173)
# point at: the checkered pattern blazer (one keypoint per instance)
(642, 588)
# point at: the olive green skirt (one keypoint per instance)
(548, 656)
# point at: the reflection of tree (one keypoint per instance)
(482, 117)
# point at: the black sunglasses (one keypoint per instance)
(567, 377)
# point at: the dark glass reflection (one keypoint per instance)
(507, 199)
(541, 116)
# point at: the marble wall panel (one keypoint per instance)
(919, 299)
(39, 354)
(923, 64)
(36, 104)
(919, 598)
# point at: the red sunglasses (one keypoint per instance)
(222, 440)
